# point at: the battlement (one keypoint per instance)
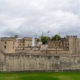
(7, 38)
(16, 36)
(71, 36)
(27, 38)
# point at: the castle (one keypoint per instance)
(19, 54)
(10, 44)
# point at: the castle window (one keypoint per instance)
(66, 42)
(67, 45)
(5, 42)
(4, 47)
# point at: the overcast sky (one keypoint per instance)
(31, 17)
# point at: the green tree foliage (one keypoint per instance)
(56, 37)
(44, 39)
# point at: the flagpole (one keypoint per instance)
(36, 35)
(42, 33)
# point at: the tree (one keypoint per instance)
(56, 37)
(44, 39)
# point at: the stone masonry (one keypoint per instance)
(39, 58)
(39, 62)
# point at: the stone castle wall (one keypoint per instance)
(38, 58)
(38, 62)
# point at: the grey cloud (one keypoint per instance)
(31, 17)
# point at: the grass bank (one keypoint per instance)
(40, 76)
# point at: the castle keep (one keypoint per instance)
(19, 54)
(10, 44)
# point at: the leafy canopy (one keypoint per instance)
(56, 37)
(44, 39)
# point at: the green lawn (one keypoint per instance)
(40, 76)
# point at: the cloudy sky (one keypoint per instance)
(31, 17)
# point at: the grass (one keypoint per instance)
(40, 76)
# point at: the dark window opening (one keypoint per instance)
(5, 47)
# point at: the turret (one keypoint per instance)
(72, 44)
(16, 41)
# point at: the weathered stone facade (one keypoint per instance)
(40, 58)
(39, 62)
(9, 44)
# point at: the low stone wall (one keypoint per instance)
(36, 50)
(39, 62)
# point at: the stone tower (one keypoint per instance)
(74, 44)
